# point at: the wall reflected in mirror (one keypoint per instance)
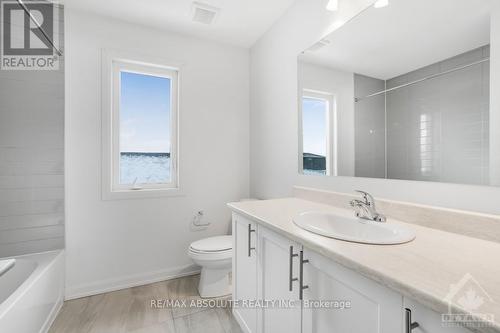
(401, 92)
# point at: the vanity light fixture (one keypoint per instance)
(333, 5)
(381, 3)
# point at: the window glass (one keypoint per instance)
(314, 135)
(145, 129)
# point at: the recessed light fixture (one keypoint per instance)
(204, 13)
(381, 3)
(333, 5)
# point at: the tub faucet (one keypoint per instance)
(365, 209)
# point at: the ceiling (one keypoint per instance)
(405, 36)
(239, 23)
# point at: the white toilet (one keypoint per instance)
(214, 255)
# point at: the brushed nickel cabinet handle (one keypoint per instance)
(291, 278)
(409, 325)
(301, 275)
(250, 248)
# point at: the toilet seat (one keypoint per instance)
(213, 248)
(212, 244)
(210, 256)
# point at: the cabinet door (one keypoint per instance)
(368, 306)
(275, 262)
(244, 271)
(428, 320)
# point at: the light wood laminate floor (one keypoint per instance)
(130, 311)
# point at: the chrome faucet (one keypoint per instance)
(365, 209)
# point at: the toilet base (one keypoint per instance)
(214, 282)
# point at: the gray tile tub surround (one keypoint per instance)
(471, 224)
(434, 130)
(438, 129)
(369, 128)
(32, 160)
(31, 198)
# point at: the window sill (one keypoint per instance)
(141, 194)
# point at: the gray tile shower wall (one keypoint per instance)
(369, 124)
(437, 130)
(32, 159)
(434, 130)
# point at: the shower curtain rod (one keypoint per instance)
(357, 99)
(26, 10)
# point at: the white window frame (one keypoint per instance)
(113, 63)
(331, 131)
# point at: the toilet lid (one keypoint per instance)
(213, 244)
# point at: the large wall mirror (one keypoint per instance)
(401, 92)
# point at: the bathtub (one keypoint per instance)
(31, 292)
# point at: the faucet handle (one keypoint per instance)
(367, 197)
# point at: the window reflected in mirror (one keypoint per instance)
(317, 133)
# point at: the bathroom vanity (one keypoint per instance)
(365, 288)
(392, 93)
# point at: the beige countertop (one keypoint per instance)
(425, 269)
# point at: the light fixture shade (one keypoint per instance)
(333, 5)
(381, 3)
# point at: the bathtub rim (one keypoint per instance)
(45, 260)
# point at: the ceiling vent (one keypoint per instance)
(322, 43)
(204, 13)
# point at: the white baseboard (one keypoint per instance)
(124, 282)
(52, 316)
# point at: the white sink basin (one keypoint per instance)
(353, 229)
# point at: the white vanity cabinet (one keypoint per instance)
(360, 305)
(245, 271)
(268, 266)
(278, 280)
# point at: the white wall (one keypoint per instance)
(116, 243)
(273, 118)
